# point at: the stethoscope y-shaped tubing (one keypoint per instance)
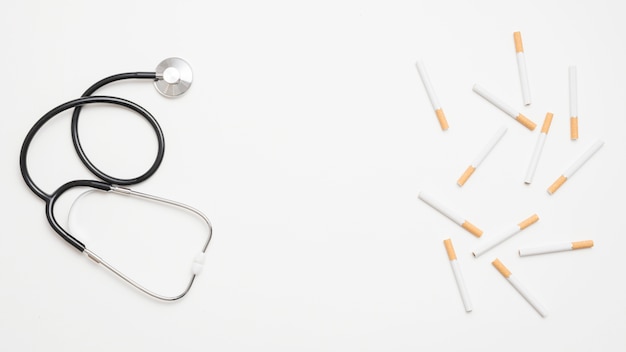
(50, 199)
(82, 102)
(76, 139)
(50, 203)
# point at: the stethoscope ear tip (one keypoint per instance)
(173, 77)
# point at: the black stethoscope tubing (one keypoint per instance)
(109, 181)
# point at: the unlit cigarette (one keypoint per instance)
(534, 160)
(573, 102)
(521, 67)
(504, 107)
(494, 241)
(467, 303)
(450, 214)
(483, 154)
(520, 288)
(432, 96)
(575, 166)
(556, 247)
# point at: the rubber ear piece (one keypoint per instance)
(198, 263)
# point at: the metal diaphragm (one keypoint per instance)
(173, 77)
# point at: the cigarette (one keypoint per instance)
(534, 160)
(520, 288)
(467, 303)
(432, 96)
(494, 241)
(483, 154)
(450, 214)
(575, 166)
(556, 247)
(573, 102)
(504, 107)
(521, 67)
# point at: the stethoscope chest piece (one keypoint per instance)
(173, 77)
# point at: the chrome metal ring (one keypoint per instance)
(173, 77)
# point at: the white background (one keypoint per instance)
(306, 137)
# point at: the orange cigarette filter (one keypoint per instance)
(501, 268)
(573, 127)
(466, 175)
(441, 117)
(573, 102)
(531, 220)
(557, 184)
(546, 123)
(526, 122)
(472, 229)
(517, 37)
(582, 244)
(449, 249)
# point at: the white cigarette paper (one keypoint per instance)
(504, 107)
(573, 102)
(555, 247)
(520, 288)
(431, 95)
(521, 67)
(459, 220)
(534, 160)
(483, 154)
(575, 166)
(456, 269)
(496, 240)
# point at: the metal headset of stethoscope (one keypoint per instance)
(172, 78)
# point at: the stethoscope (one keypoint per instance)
(172, 77)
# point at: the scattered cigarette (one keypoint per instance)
(538, 148)
(573, 102)
(494, 241)
(520, 288)
(556, 247)
(432, 96)
(467, 303)
(483, 154)
(521, 67)
(450, 214)
(575, 166)
(502, 106)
